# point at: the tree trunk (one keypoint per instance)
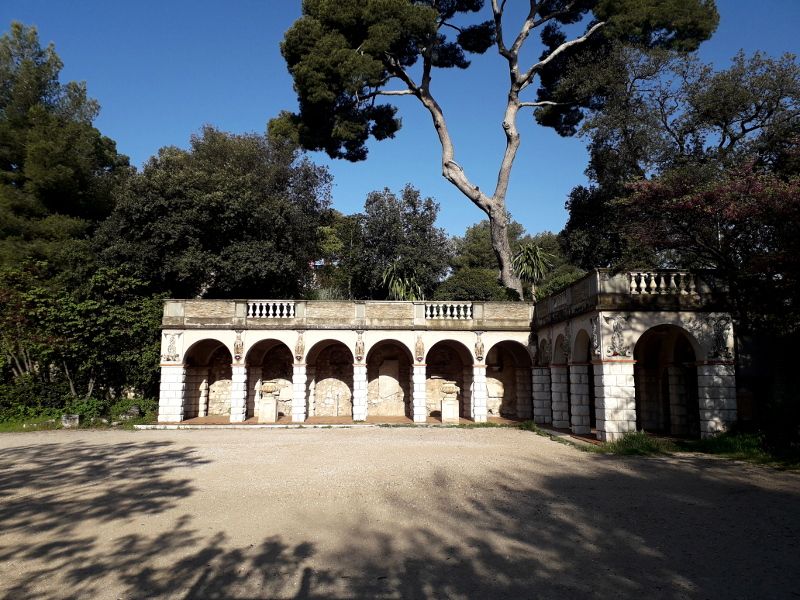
(498, 226)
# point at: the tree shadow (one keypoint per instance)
(660, 527)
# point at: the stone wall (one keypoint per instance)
(333, 382)
(444, 364)
(389, 382)
(501, 384)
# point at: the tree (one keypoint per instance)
(57, 172)
(234, 216)
(476, 284)
(344, 55)
(400, 243)
(531, 264)
(474, 248)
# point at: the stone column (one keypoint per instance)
(615, 397)
(171, 392)
(419, 394)
(359, 392)
(253, 393)
(559, 392)
(479, 393)
(542, 403)
(579, 399)
(466, 392)
(678, 422)
(523, 389)
(238, 393)
(716, 394)
(298, 393)
(311, 373)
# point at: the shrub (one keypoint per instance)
(475, 284)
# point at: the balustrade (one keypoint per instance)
(654, 283)
(270, 309)
(448, 310)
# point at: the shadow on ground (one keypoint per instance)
(664, 528)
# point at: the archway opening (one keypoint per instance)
(389, 369)
(508, 381)
(208, 380)
(329, 367)
(665, 375)
(269, 361)
(582, 377)
(448, 361)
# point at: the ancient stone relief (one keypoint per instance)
(596, 350)
(299, 347)
(419, 349)
(479, 349)
(172, 347)
(359, 350)
(238, 346)
(617, 347)
(713, 334)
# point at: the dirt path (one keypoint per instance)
(383, 512)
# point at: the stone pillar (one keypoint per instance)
(678, 422)
(466, 392)
(559, 392)
(523, 389)
(579, 399)
(479, 393)
(202, 403)
(298, 393)
(359, 392)
(253, 391)
(312, 391)
(419, 394)
(238, 393)
(615, 398)
(542, 403)
(716, 394)
(170, 395)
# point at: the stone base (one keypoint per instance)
(268, 409)
(450, 410)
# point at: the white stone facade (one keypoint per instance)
(610, 353)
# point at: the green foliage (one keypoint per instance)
(234, 216)
(474, 284)
(148, 409)
(398, 235)
(402, 286)
(87, 407)
(57, 172)
(474, 249)
(531, 264)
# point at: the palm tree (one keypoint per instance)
(402, 286)
(531, 264)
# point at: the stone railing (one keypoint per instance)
(448, 310)
(270, 309)
(347, 314)
(662, 282)
(601, 289)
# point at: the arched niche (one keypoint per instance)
(508, 381)
(448, 361)
(207, 389)
(665, 375)
(389, 370)
(329, 368)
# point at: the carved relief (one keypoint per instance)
(238, 346)
(596, 351)
(299, 347)
(359, 353)
(172, 347)
(617, 347)
(713, 332)
(479, 349)
(419, 349)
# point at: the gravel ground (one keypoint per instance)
(384, 512)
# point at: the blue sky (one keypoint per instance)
(163, 68)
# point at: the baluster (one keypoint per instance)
(633, 288)
(672, 286)
(291, 311)
(662, 283)
(682, 284)
(652, 286)
(692, 286)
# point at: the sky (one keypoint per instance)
(161, 69)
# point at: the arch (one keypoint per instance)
(665, 376)
(508, 380)
(581, 374)
(208, 379)
(581, 352)
(269, 360)
(389, 371)
(543, 358)
(559, 356)
(329, 368)
(448, 360)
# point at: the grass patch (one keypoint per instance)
(34, 424)
(750, 447)
(638, 444)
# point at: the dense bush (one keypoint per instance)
(474, 284)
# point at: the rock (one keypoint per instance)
(70, 421)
